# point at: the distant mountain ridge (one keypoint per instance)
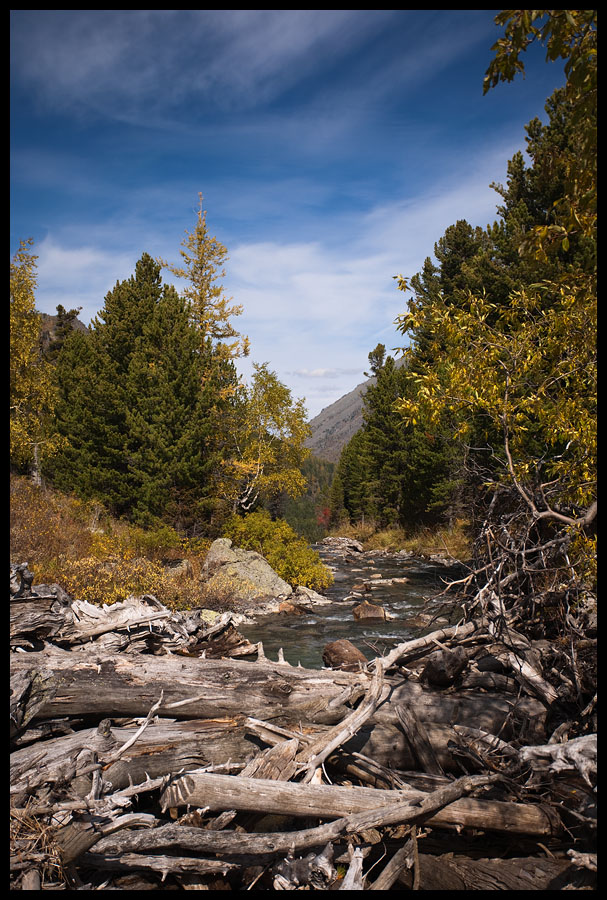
(333, 427)
(48, 325)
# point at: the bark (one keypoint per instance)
(333, 801)
(111, 685)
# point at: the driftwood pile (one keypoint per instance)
(154, 751)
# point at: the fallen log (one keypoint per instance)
(461, 873)
(111, 685)
(166, 746)
(114, 685)
(198, 840)
(216, 792)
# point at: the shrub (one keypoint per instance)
(113, 579)
(287, 553)
(45, 525)
(93, 556)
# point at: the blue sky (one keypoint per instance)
(332, 147)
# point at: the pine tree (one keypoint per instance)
(133, 406)
(204, 257)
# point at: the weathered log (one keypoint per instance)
(530, 678)
(217, 792)
(31, 880)
(80, 835)
(111, 685)
(460, 873)
(353, 879)
(275, 763)
(404, 858)
(317, 751)
(202, 841)
(412, 649)
(419, 741)
(165, 746)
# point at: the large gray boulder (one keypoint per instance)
(242, 575)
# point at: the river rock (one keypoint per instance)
(308, 597)
(242, 575)
(366, 610)
(343, 544)
(291, 609)
(342, 654)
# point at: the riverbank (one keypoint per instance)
(404, 586)
(450, 542)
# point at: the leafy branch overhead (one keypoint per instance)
(502, 337)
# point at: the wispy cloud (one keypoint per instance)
(112, 61)
(78, 276)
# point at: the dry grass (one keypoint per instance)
(32, 846)
(451, 541)
(94, 557)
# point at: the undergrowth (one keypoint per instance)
(95, 557)
(450, 541)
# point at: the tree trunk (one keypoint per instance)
(114, 685)
(332, 801)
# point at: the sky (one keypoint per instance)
(332, 148)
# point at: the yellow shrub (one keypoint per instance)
(113, 579)
(287, 553)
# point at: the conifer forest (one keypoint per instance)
(135, 445)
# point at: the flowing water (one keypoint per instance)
(303, 637)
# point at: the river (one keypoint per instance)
(303, 637)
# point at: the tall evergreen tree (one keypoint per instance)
(133, 406)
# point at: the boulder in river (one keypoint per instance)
(366, 610)
(244, 575)
(343, 544)
(342, 654)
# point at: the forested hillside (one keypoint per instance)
(490, 416)
(144, 411)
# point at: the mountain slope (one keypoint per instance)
(333, 427)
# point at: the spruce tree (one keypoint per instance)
(134, 406)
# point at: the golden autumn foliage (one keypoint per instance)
(77, 545)
(32, 392)
(203, 259)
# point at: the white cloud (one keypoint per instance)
(315, 310)
(77, 276)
